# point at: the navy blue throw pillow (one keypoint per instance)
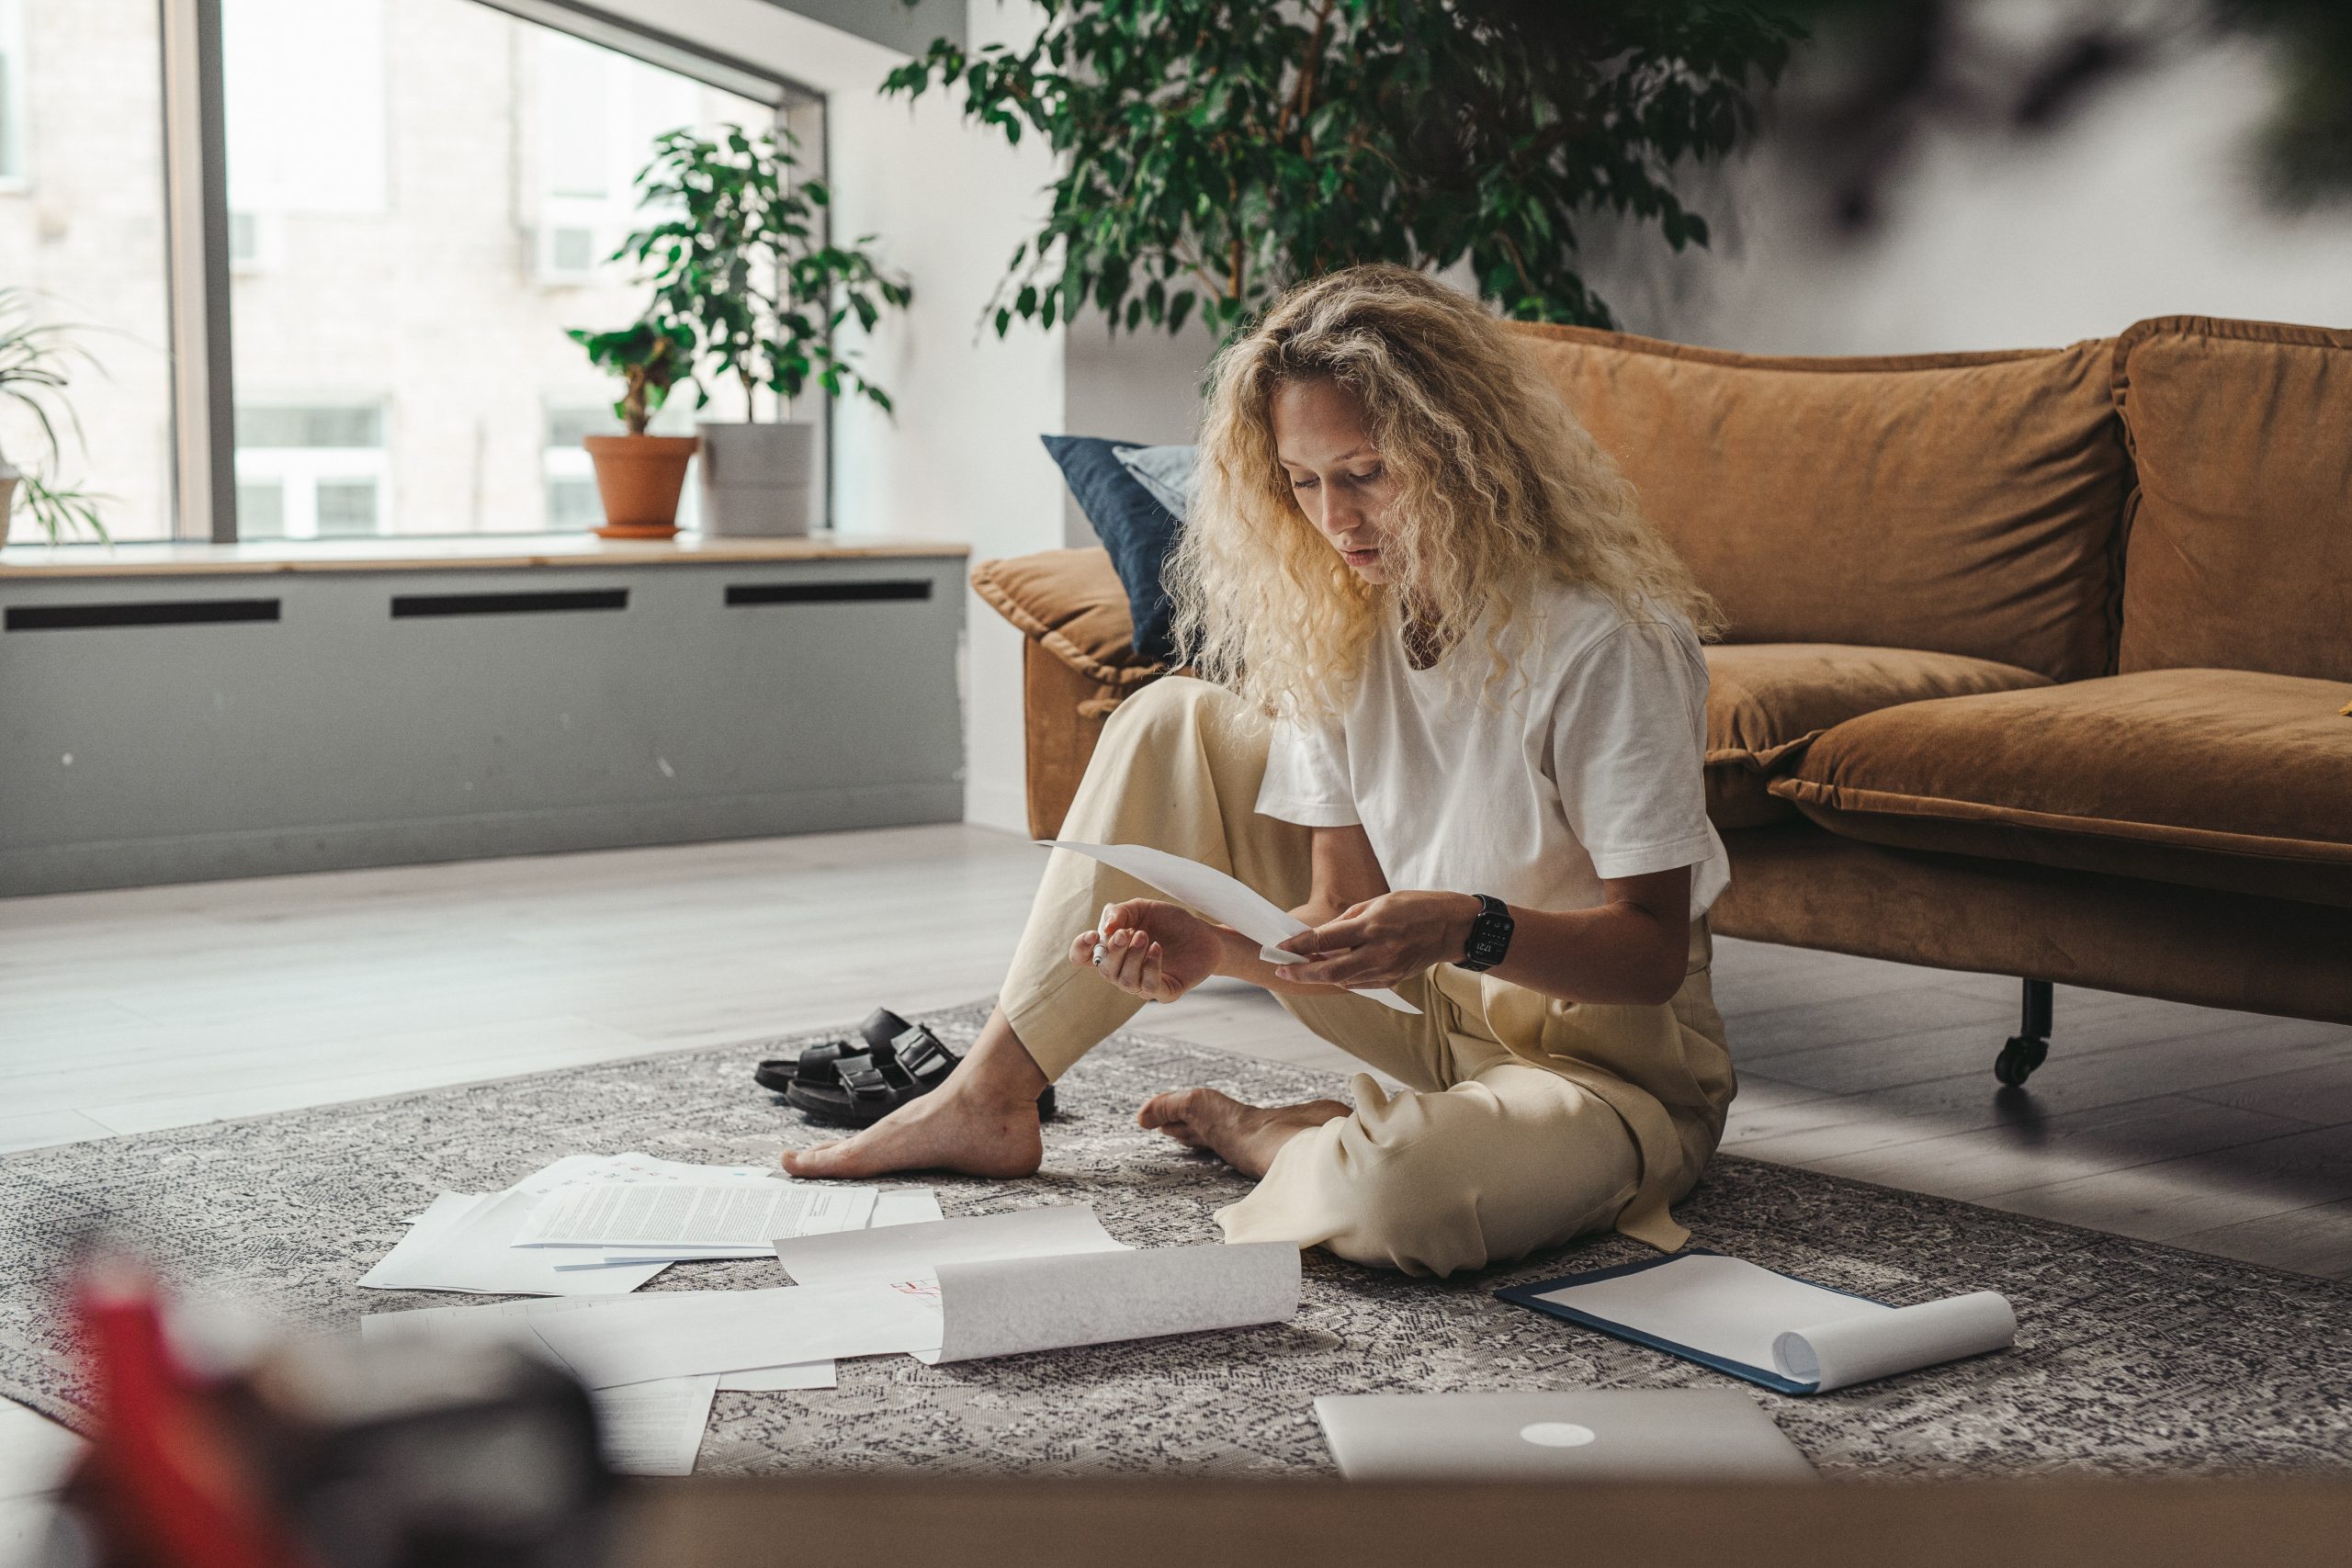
(1134, 527)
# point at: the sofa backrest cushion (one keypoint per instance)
(1966, 503)
(2239, 552)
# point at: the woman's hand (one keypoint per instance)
(1384, 940)
(1155, 950)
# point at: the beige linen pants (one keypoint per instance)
(1526, 1122)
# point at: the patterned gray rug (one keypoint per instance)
(2130, 1357)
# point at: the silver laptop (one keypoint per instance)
(1586, 1435)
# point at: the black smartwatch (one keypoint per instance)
(1489, 934)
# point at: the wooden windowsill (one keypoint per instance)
(177, 558)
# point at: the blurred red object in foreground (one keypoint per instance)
(324, 1450)
(166, 1481)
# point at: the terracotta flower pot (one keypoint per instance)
(639, 478)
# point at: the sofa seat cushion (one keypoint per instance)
(2215, 778)
(1073, 605)
(2240, 551)
(1767, 701)
(1968, 504)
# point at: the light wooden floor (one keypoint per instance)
(122, 1012)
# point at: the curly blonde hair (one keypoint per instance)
(1498, 486)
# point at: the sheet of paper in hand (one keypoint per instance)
(1210, 892)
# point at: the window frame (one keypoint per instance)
(14, 121)
(198, 264)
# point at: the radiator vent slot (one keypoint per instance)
(827, 592)
(405, 605)
(151, 613)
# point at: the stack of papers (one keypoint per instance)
(602, 1225)
(941, 1290)
(956, 1289)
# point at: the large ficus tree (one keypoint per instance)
(1215, 150)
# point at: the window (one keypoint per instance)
(311, 470)
(571, 498)
(418, 198)
(428, 234)
(12, 92)
(82, 229)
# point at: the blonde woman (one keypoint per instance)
(1451, 712)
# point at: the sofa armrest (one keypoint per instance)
(1071, 604)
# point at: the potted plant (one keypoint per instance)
(742, 261)
(638, 476)
(34, 360)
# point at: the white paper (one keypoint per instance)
(905, 1206)
(702, 1218)
(461, 1243)
(505, 1321)
(917, 1251)
(1733, 1309)
(1008, 1306)
(775, 1380)
(688, 1333)
(1210, 892)
(899, 1206)
(654, 1428)
(635, 1166)
(511, 1323)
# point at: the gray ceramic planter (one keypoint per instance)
(758, 481)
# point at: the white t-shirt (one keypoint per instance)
(1582, 762)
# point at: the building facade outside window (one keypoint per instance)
(317, 470)
(82, 229)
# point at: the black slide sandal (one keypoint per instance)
(820, 1063)
(869, 1087)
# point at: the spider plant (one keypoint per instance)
(36, 359)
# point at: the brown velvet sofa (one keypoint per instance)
(2038, 661)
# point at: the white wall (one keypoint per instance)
(1142, 387)
(960, 460)
(2143, 205)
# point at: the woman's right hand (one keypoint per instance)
(1150, 949)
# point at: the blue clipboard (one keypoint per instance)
(1529, 1296)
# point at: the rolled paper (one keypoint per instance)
(1005, 1307)
(1862, 1349)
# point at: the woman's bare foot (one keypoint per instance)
(982, 1121)
(943, 1131)
(1246, 1138)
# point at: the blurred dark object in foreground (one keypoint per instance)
(326, 1454)
(1879, 72)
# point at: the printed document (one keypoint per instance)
(712, 1215)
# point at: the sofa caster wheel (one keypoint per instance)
(2030, 1045)
(2018, 1058)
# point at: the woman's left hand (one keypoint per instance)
(1384, 940)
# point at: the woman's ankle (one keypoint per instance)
(998, 1070)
